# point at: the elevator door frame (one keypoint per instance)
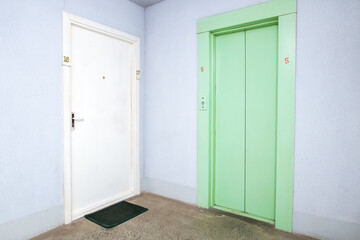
(282, 13)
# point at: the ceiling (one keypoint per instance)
(146, 3)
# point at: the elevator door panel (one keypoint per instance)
(230, 121)
(245, 121)
(261, 85)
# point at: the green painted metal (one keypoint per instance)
(203, 128)
(245, 16)
(261, 88)
(286, 122)
(244, 214)
(283, 12)
(229, 174)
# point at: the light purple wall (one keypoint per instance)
(171, 92)
(30, 103)
(327, 134)
(31, 164)
(327, 137)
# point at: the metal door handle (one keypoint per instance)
(73, 119)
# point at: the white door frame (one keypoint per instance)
(68, 21)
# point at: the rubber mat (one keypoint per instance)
(116, 214)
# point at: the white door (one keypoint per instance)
(101, 159)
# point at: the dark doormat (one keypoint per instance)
(116, 214)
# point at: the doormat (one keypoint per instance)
(116, 214)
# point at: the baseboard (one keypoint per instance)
(169, 190)
(32, 225)
(325, 228)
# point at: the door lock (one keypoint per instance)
(73, 119)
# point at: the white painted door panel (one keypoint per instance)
(101, 143)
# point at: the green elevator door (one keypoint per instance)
(245, 121)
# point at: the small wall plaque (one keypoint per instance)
(138, 74)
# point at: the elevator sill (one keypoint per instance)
(244, 214)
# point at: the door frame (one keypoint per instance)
(282, 13)
(68, 21)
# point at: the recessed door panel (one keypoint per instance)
(245, 121)
(261, 85)
(230, 121)
(101, 100)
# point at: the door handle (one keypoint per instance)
(73, 119)
(79, 119)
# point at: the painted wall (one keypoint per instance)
(327, 149)
(171, 95)
(31, 165)
(327, 134)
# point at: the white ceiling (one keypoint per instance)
(146, 3)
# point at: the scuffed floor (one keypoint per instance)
(169, 219)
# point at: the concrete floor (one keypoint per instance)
(170, 219)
